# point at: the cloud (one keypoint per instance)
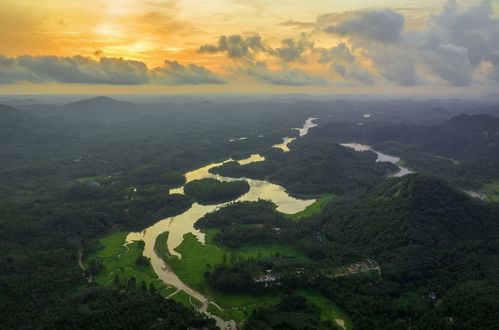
(385, 25)
(339, 53)
(11, 71)
(284, 76)
(298, 24)
(174, 73)
(76, 69)
(292, 50)
(474, 31)
(450, 63)
(455, 44)
(114, 71)
(236, 46)
(353, 73)
(247, 48)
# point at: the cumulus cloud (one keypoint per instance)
(354, 72)
(385, 25)
(174, 73)
(247, 48)
(292, 50)
(339, 53)
(451, 49)
(76, 69)
(283, 76)
(11, 71)
(115, 71)
(236, 46)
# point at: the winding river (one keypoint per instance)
(381, 157)
(182, 224)
(309, 123)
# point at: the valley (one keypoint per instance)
(238, 234)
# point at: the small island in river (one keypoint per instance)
(211, 191)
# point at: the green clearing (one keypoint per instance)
(119, 261)
(185, 299)
(313, 209)
(330, 311)
(212, 309)
(119, 264)
(198, 258)
(492, 191)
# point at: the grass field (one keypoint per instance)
(198, 258)
(315, 208)
(120, 265)
(492, 191)
(120, 261)
(185, 299)
(330, 311)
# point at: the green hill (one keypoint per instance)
(437, 249)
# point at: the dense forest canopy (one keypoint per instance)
(212, 191)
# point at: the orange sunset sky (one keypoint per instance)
(149, 46)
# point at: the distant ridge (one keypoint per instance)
(100, 110)
(11, 114)
(99, 101)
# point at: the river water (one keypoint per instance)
(381, 157)
(309, 123)
(182, 224)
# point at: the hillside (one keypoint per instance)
(414, 224)
(315, 167)
(17, 127)
(464, 149)
(101, 110)
(437, 249)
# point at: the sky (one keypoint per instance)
(254, 46)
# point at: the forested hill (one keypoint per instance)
(17, 127)
(418, 226)
(464, 149)
(315, 167)
(101, 110)
(465, 135)
(438, 252)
